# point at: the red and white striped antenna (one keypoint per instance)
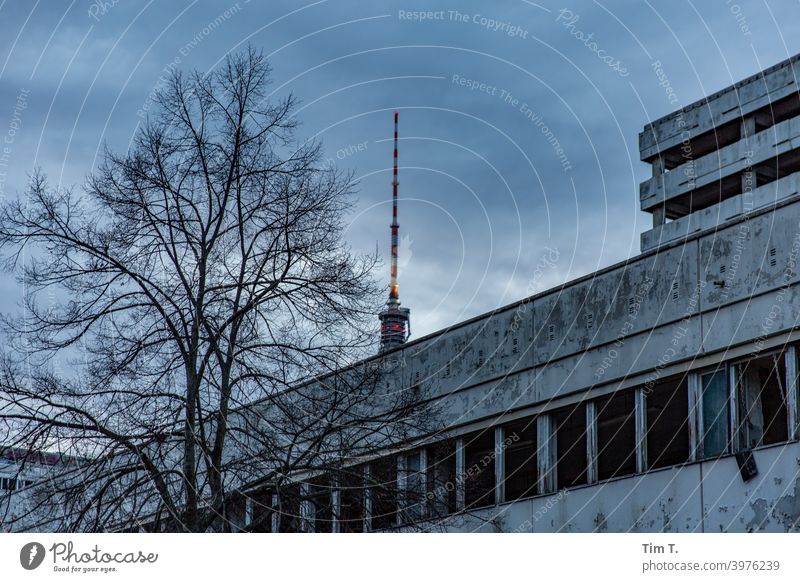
(394, 292)
(395, 320)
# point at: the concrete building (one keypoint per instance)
(19, 471)
(658, 394)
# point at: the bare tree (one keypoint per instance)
(194, 281)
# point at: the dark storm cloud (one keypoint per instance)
(519, 120)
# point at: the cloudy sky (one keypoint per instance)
(519, 120)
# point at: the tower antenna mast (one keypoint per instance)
(395, 320)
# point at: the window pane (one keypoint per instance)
(441, 480)
(288, 509)
(262, 511)
(414, 494)
(351, 500)
(668, 423)
(383, 478)
(570, 428)
(520, 459)
(616, 435)
(716, 404)
(235, 510)
(479, 476)
(319, 495)
(762, 401)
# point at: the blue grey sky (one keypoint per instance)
(519, 120)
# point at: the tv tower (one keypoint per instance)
(395, 320)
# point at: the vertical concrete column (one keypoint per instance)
(423, 483)
(591, 442)
(659, 216)
(790, 361)
(695, 417)
(307, 513)
(248, 510)
(545, 454)
(460, 475)
(367, 490)
(336, 508)
(499, 466)
(659, 213)
(657, 165)
(402, 486)
(747, 131)
(748, 127)
(275, 517)
(640, 413)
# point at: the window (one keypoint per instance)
(351, 500)
(441, 479)
(262, 511)
(288, 509)
(668, 423)
(520, 459)
(570, 429)
(414, 487)
(321, 501)
(616, 435)
(383, 481)
(716, 415)
(479, 476)
(762, 396)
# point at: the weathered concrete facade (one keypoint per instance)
(715, 288)
(626, 400)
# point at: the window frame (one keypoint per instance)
(725, 369)
(739, 431)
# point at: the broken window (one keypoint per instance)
(520, 459)
(383, 482)
(441, 479)
(616, 435)
(668, 423)
(761, 393)
(716, 412)
(569, 425)
(351, 500)
(479, 475)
